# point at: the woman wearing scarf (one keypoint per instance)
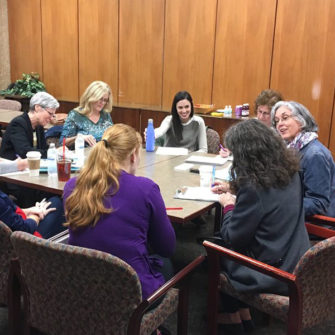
(297, 127)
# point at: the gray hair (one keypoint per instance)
(299, 112)
(44, 99)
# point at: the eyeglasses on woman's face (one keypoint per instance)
(104, 100)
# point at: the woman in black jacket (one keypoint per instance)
(263, 213)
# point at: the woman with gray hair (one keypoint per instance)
(18, 138)
(297, 127)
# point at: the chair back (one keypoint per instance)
(74, 290)
(315, 273)
(10, 104)
(6, 253)
(213, 141)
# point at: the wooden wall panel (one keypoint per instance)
(189, 49)
(332, 132)
(60, 48)
(244, 39)
(141, 51)
(98, 43)
(24, 25)
(304, 57)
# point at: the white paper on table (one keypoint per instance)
(183, 167)
(15, 173)
(172, 151)
(216, 160)
(196, 193)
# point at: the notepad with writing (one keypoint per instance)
(196, 193)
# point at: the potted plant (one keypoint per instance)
(25, 87)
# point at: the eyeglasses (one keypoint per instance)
(105, 101)
(52, 114)
(263, 113)
(284, 118)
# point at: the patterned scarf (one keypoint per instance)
(302, 139)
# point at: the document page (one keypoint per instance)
(196, 193)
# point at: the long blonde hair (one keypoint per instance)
(99, 177)
(93, 93)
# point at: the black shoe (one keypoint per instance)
(248, 326)
(231, 329)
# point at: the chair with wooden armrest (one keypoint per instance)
(321, 219)
(74, 290)
(6, 253)
(310, 301)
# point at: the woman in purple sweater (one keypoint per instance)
(108, 208)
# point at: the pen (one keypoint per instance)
(174, 208)
(222, 147)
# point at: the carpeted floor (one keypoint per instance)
(187, 249)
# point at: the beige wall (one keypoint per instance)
(4, 46)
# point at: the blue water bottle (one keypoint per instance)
(150, 142)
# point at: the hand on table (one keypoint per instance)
(220, 187)
(22, 164)
(90, 140)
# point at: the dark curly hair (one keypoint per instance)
(260, 156)
(176, 123)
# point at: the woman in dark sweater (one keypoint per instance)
(263, 213)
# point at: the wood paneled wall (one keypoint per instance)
(60, 47)
(222, 51)
(141, 51)
(25, 28)
(98, 43)
(243, 50)
(304, 57)
(189, 49)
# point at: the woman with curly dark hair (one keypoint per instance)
(264, 218)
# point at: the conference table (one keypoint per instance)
(159, 168)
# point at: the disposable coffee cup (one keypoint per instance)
(34, 159)
(206, 175)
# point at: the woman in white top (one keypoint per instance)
(182, 128)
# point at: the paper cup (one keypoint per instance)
(206, 173)
(34, 159)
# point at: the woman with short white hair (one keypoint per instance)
(296, 125)
(19, 135)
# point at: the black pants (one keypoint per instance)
(230, 304)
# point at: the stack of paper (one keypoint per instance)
(172, 151)
(196, 193)
(216, 160)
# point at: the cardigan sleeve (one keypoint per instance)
(13, 220)
(164, 127)
(161, 235)
(317, 178)
(202, 135)
(239, 225)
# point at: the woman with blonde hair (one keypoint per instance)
(110, 209)
(92, 117)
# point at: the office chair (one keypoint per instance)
(310, 301)
(74, 290)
